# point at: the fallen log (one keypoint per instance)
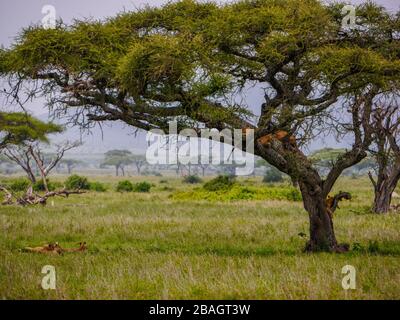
(33, 198)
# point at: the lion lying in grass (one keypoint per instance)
(55, 248)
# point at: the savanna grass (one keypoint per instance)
(149, 246)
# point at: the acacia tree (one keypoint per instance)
(19, 131)
(18, 127)
(29, 156)
(139, 161)
(118, 159)
(70, 164)
(20, 137)
(186, 60)
(386, 151)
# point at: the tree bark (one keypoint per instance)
(314, 192)
(383, 196)
(384, 186)
(382, 202)
(31, 177)
(322, 235)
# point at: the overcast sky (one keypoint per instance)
(16, 14)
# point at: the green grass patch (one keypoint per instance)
(148, 246)
(239, 192)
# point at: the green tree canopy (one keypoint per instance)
(118, 159)
(17, 127)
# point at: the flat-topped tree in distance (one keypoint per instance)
(19, 127)
(188, 60)
(118, 159)
(70, 164)
(139, 161)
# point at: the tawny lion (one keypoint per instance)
(82, 247)
(55, 248)
(280, 135)
(332, 203)
(51, 248)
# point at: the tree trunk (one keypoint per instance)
(384, 188)
(116, 171)
(31, 177)
(322, 234)
(383, 196)
(382, 201)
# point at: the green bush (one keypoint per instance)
(192, 179)
(20, 184)
(39, 185)
(142, 187)
(125, 186)
(97, 186)
(238, 192)
(220, 183)
(273, 175)
(76, 182)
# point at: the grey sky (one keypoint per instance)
(16, 14)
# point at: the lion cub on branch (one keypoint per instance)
(280, 135)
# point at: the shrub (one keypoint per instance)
(238, 192)
(76, 182)
(39, 185)
(273, 175)
(220, 183)
(98, 187)
(20, 184)
(373, 246)
(142, 187)
(192, 179)
(125, 186)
